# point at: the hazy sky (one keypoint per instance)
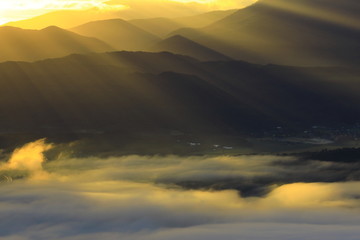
(23, 9)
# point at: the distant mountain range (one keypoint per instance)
(298, 32)
(163, 26)
(180, 45)
(136, 92)
(72, 18)
(191, 80)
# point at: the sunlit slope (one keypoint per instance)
(138, 92)
(28, 45)
(180, 45)
(118, 33)
(298, 32)
(163, 26)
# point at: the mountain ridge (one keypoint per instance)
(18, 44)
(268, 32)
(119, 33)
(180, 45)
(134, 91)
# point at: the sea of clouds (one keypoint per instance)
(172, 197)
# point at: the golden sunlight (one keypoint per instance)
(24, 9)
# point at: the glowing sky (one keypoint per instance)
(22, 9)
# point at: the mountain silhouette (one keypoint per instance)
(29, 45)
(180, 45)
(298, 32)
(137, 92)
(118, 33)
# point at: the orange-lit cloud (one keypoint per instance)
(29, 158)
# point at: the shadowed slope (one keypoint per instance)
(28, 45)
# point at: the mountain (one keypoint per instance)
(29, 45)
(139, 92)
(157, 26)
(180, 45)
(297, 32)
(75, 95)
(164, 26)
(202, 20)
(118, 33)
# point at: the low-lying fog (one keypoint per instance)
(157, 197)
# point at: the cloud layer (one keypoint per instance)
(138, 198)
